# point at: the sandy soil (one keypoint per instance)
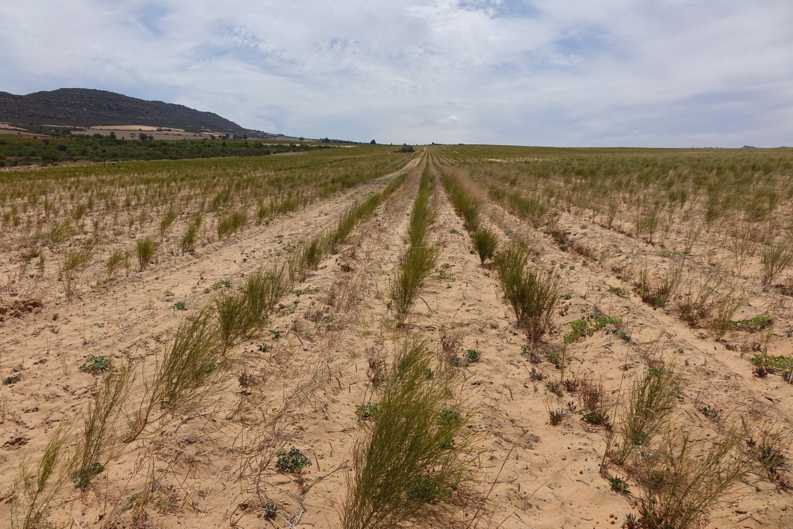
(298, 383)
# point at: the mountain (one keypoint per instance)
(83, 107)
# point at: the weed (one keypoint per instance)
(472, 356)
(590, 325)
(95, 364)
(755, 324)
(167, 220)
(366, 411)
(292, 461)
(767, 447)
(593, 405)
(556, 416)
(74, 262)
(619, 485)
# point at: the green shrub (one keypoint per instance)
(145, 249)
(485, 242)
(532, 294)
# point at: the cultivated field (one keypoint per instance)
(463, 337)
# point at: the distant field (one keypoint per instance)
(25, 150)
(357, 338)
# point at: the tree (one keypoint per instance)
(372, 142)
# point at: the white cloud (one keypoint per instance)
(607, 72)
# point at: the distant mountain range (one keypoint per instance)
(83, 107)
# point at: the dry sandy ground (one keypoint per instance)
(299, 382)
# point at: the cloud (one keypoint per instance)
(607, 72)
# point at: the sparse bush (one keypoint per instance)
(532, 294)
(167, 220)
(119, 258)
(413, 453)
(775, 259)
(190, 235)
(231, 223)
(145, 249)
(684, 480)
(98, 425)
(34, 494)
(187, 366)
(233, 316)
(485, 242)
(651, 401)
(73, 263)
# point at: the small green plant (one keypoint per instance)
(95, 364)
(180, 305)
(619, 485)
(485, 242)
(292, 461)
(773, 363)
(590, 325)
(145, 249)
(366, 411)
(472, 356)
(755, 324)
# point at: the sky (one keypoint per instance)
(530, 72)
